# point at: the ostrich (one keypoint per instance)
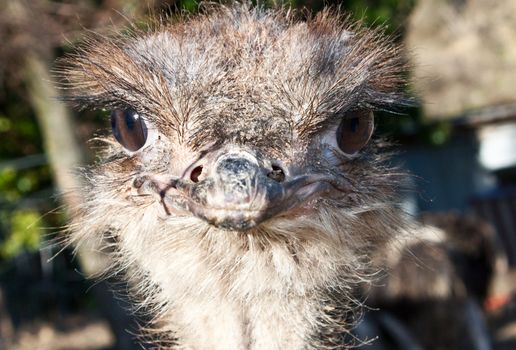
(435, 285)
(241, 192)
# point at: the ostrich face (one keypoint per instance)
(236, 184)
(241, 117)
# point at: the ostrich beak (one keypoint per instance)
(236, 192)
(240, 193)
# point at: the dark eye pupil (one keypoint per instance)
(129, 129)
(130, 121)
(353, 124)
(354, 131)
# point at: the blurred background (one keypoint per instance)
(459, 143)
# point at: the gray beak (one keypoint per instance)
(237, 193)
(234, 190)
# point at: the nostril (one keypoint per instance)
(277, 174)
(196, 173)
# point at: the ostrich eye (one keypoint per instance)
(129, 129)
(354, 131)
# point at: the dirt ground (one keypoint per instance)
(71, 333)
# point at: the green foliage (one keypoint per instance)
(392, 13)
(23, 176)
(440, 133)
(190, 5)
(24, 233)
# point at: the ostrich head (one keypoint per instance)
(241, 163)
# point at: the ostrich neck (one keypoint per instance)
(221, 295)
(260, 322)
